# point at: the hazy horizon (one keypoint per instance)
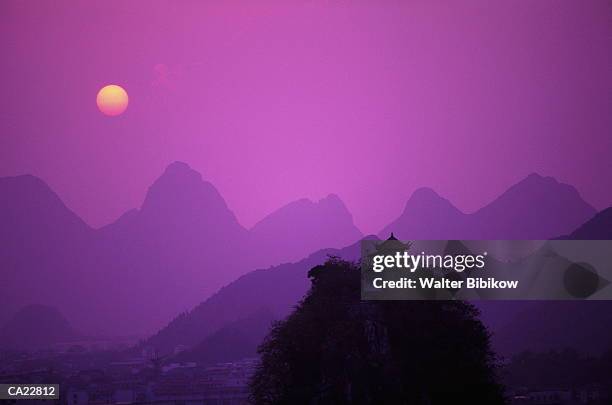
(311, 200)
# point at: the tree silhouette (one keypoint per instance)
(336, 349)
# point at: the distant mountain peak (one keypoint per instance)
(179, 176)
(307, 209)
(332, 198)
(537, 189)
(180, 189)
(536, 207)
(535, 181)
(335, 203)
(29, 198)
(181, 169)
(303, 226)
(537, 176)
(26, 186)
(425, 198)
(330, 204)
(25, 179)
(425, 194)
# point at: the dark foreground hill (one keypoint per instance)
(235, 341)
(516, 325)
(277, 289)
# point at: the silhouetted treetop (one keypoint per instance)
(336, 349)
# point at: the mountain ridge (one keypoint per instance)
(598, 227)
(314, 224)
(536, 207)
(179, 247)
(118, 274)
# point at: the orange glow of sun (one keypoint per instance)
(112, 100)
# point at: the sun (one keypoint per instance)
(112, 100)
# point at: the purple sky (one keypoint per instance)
(275, 102)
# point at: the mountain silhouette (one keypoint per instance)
(597, 228)
(542, 326)
(277, 288)
(235, 341)
(184, 243)
(428, 216)
(178, 247)
(181, 199)
(515, 325)
(302, 227)
(41, 242)
(535, 208)
(136, 274)
(36, 327)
